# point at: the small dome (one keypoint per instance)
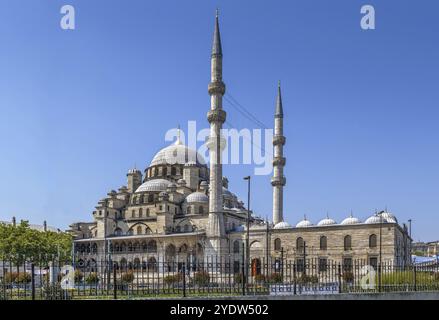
(204, 183)
(197, 197)
(375, 219)
(389, 217)
(181, 182)
(282, 225)
(304, 223)
(326, 222)
(154, 185)
(350, 220)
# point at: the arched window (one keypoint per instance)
(201, 210)
(188, 210)
(300, 245)
(94, 248)
(177, 229)
(236, 246)
(173, 171)
(323, 243)
(147, 212)
(136, 263)
(152, 246)
(372, 241)
(150, 198)
(140, 212)
(347, 242)
(165, 171)
(139, 229)
(134, 200)
(277, 244)
(133, 213)
(152, 264)
(186, 228)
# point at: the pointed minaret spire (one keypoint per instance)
(216, 143)
(279, 109)
(278, 181)
(216, 46)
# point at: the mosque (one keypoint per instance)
(181, 208)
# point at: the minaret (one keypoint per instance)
(278, 181)
(216, 143)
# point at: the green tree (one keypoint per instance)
(20, 243)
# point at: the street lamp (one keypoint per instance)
(247, 240)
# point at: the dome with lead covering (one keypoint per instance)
(304, 223)
(389, 217)
(327, 222)
(350, 220)
(375, 219)
(282, 225)
(154, 185)
(197, 197)
(177, 153)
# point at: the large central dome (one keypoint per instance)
(177, 153)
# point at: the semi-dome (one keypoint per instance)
(350, 220)
(327, 222)
(304, 223)
(282, 225)
(154, 185)
(177, 153)
(197, 197)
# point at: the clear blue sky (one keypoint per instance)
(79, 108)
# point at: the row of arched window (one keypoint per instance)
(162, 171)
(347, 243)
(144, 198)
(193, 209)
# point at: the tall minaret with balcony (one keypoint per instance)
(216, 117)
(278, 181)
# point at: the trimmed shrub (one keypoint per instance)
(238, 278)
(308, 279)
(127, 277)
(260, 278)
(79, 276)
(173, 279)
(348, 276)
(92, 278)
(275, 278)
(10, 277)
(24, 278)
(201, 278)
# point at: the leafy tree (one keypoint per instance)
(20, 243)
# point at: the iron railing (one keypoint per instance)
(214, 276)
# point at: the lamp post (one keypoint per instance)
(247, 240)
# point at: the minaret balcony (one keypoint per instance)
(218, 116)
(278, 181)
(217, 87)
(278, 140)
(279, 161)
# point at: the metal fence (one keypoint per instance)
(214, 276)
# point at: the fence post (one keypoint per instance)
(32, 270)
(294, 278)
(414, 278)
(339, 279)
(243, 270)
(184, 280)
(379, 277)
(114, 283)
